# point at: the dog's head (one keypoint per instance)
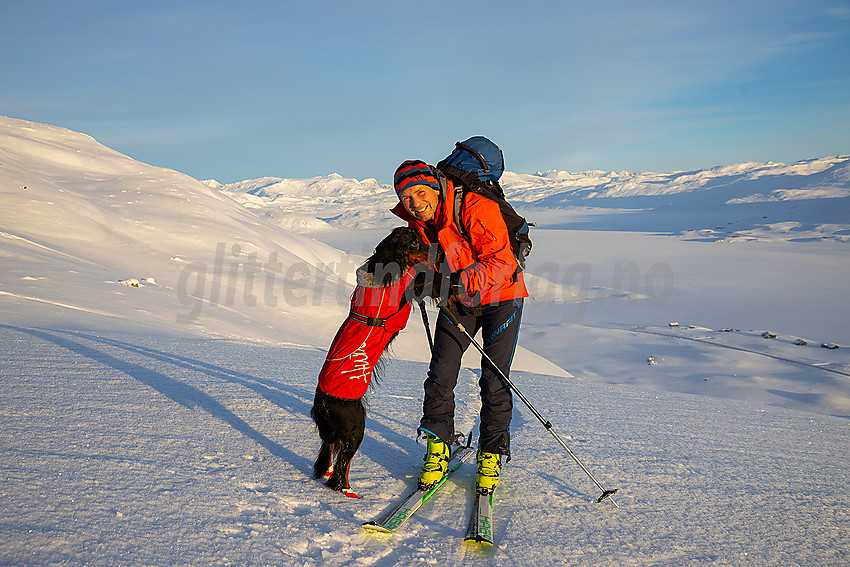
(396, 253)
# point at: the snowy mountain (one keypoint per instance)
(807, 199)
(317, 204)
(160, 339)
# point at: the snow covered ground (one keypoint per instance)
(148, 450)
(167, 424)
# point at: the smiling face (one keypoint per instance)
(421, 202)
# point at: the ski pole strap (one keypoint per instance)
(371, 321)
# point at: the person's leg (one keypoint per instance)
(500, 330)
(438, 406)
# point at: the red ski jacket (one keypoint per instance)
(486, 261)
(377, 314)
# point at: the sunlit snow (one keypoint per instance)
(160, 339)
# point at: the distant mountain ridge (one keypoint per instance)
(752, 198)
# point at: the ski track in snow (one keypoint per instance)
(816, 365)
(121, 449)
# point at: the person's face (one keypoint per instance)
(420, 201)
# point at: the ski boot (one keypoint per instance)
(436, 462)
(487, 476)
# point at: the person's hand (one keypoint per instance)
(456, 284)
(455, 289)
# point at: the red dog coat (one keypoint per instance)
(377, 313)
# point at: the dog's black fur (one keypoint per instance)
(342, 423)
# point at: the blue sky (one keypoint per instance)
(239, 90)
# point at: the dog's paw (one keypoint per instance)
(350, 493)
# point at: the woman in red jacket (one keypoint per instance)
(489, 287)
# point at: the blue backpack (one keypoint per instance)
(475, 166)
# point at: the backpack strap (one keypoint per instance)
(460, 193)
(441, 181)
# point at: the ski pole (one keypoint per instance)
(606, 494)
(427, 326)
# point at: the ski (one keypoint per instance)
(396, 517)
(480, 529)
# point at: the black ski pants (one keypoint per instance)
(499, 326)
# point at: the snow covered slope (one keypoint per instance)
(79, 220)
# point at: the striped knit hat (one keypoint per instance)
(414, 172)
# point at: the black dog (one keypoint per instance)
(379, 310)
